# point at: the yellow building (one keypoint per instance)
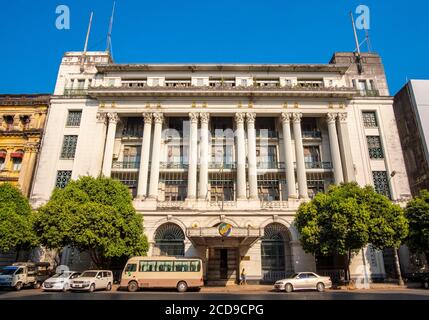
(22, 119)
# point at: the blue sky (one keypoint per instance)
(281, 31)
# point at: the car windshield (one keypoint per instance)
(8, 271)
(89, 274)
(61, 275)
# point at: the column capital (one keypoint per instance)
(113, 117)
(342, 117)
(330, 117)
(239, 117)
(158, 117)
(286, 116)
(147, 117)
(297, 116)
(193, 116)
(101, 117)
(250, 117)
(30, 147)
(205, 116)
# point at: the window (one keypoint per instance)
(147, 266)
(131, 156)
(17, 159)
(195, 266)
(381, 183)
(131, 267)
(164, 266)
(69, 147)
(369, 119)
(9, 122)
(374, 147)
(266, 157)
(3, 154)
(182, 266)
(81, 84)
(63, 177)
(175, 190)
(73, 118)
(133, 127)
(169, 240)
(312, 157)
(25, 120)
(315, 184)
(221, 190)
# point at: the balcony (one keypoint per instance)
(125, 164)
(311, 134)
(222, 89)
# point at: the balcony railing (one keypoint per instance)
(311, 134)
(271, 165)
(173, 165)
(220, 165)
(74, 92)
(126, 164)
(369, 93)
(318, 165)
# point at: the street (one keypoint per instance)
(249, 294)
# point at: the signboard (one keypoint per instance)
(225, 229)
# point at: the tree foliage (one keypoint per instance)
(347, 218)
(16, 220)
(95, 215)
(417, 212)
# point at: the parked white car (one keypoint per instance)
(92, 280)
(303, 281)
(60, 281)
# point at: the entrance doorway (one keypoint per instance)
(222, 266)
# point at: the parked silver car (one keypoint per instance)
(60, 281)
(303, 281)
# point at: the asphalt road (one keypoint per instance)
(401, 294)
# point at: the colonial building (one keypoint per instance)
(22, 119)
(412, 115)
(218, 157)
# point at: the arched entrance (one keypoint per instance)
(169, 240)
(276, 255)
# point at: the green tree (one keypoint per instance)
(16, 220)
(388, 226)
(334, 223)
(417, 213)
(94, 215)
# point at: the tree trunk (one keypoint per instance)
(349, 260)
(18, 251)
(398, 267)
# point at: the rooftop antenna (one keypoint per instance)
(109, 34)
(85, 48)
(358, 54)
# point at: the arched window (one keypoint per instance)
(17, 159)
(169, 240)
(3, 154)
(275, 252)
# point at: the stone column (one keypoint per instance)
(193, 156)
(345, 148)
(156, 144)
(144, 157)
(335, 149)
(99, 143)
(110, 142)
(204, 156)
(241, 157)
(251, 145)
(299, 155)
(27, 168)
(287, 142)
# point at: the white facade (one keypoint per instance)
(251, 143)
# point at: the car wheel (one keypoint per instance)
(320, 287)
(36, 285)
(66, 287)
(288, 288)
(18, 286)
(109, 287)
(92, 288)
(132, 286)
(426, 284)
(182, 286)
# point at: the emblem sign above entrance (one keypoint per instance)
(225, 229)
